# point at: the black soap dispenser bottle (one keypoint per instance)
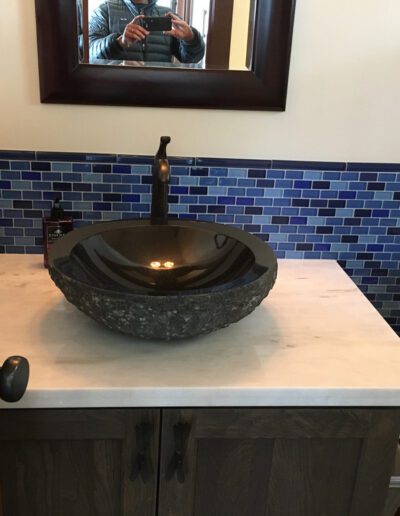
(54, 227)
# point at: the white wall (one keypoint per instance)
(343, 99)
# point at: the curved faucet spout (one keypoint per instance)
(161, 178)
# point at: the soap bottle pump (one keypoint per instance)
(54, 227)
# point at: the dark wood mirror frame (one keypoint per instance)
(63, 79)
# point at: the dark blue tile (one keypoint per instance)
(324, 230)
(378, 167)
(216, 209)
(198, 190)
(347, 195)
(76, 156)
(253, 210)
(336, 203)
(179, 190)
(280, 220)
(302, 184)
(322, 247)
(43, 166)
(349, 239)
(31, 176)
(362, 213)
(257, 173)
(266, 183)
(321, 185)
(298, 220)
(101, 187)
(130, 198)
(352, 221)
(304, 203)
(121, 169)
(380, 213)
(6, 222)
(244, 201)
(81, 167)
(5, 185)
(17, 155)
(112, 197)
(199, 172)
(20, 165)
(309, 165)
(197, 209)
(114, 178)
(376, 186)
(233, 163)
(62, 187)
(21, 205)
(102, 206)
(304, 247)
(326, 212)
(102, 169)
(393, 231)
(368, 176)
(82, 187)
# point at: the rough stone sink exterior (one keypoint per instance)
(167, 281)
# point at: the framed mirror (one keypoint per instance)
(70, 72)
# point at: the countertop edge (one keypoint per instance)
(207, 397)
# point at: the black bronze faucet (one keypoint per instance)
(161, 178)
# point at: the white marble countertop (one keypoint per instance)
(314, 341)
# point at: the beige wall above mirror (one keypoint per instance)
(216, 34)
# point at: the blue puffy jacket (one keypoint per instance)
(108, 22)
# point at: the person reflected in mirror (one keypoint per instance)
(116, 33)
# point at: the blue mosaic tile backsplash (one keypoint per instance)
(348, 212)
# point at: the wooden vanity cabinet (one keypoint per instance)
(78, 462)
(200, 462)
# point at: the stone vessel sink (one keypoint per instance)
(166, 281)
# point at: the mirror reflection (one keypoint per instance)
(205, 34)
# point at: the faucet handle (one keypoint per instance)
(162, 150)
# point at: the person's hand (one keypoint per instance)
(180, 29)
(133, 32)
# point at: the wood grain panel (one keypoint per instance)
(76, 462)
(314, 477)
(233, 475)
(278, 462)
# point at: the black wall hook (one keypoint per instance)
(14, 376)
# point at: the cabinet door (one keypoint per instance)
(276, 462)
(78, 462)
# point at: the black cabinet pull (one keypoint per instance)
(14, 376)
(181, 434)
(142, 463)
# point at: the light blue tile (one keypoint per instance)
(91, 178)
(312, 174)
(61, 167)
(217, 190)
(189, 181)
(237, 172)
(179, 208)
(339, 185)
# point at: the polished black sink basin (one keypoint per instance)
(163, 281)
